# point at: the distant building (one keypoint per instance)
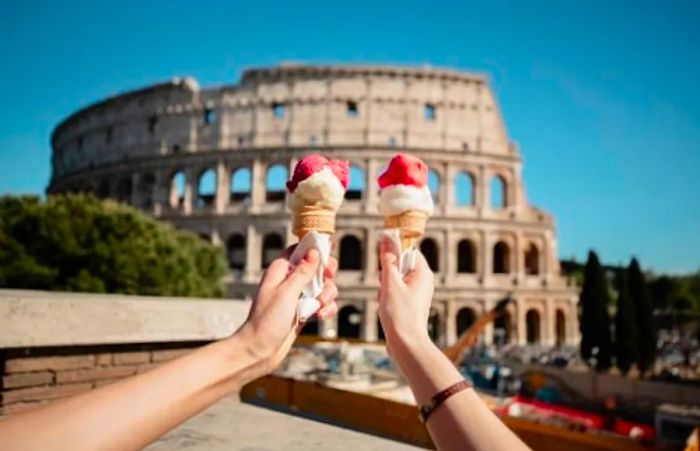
(213, 161)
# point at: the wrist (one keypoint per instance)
(242, 351)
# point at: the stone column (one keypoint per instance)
(371, 240)
(443, 194)
(371, 191)
(451, 324)
(487, 334)
(450, 199)
(253, 257)
(369, 321)
(548, 331)
(136, 195)
(189, 191)
(486, 256)
(522, 325)
(518, 261)
(257, 186)
(160, 192)
(481, 185)
(572, 332)
(450, 271)
(222, 187)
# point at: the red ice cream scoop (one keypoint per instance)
(313, 163)
(404, 170)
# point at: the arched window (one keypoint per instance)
(311, 327)
(350, 255)
(532, 322)
(148, 183)
(206, 188)
(464, 189)
(103, 189)
(466, 257)
(532, 260)
(434, 325)
(465, 318)
(560, 328)
(275, 183)
(498, 192)
(434, 184)
(501, 258)
(240, 185)
(349, 322)
(235, 247)
(429, 249)
(177, 190)
(357, 183)
(272, 248)
(124, 189)
(502, 328)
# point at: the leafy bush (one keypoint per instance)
(79, 243)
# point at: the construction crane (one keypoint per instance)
(469, 337)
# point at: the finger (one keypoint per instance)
(389, 260)
(329, 293)
(303, 272)
(276, 272)
(331, 269)
(288, 252)
(327, 311)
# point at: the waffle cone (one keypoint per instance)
(311, 218)
(411, 225)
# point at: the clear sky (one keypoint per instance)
(602, 97)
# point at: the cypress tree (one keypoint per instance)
(644, 314)
(626, 337)
(595, 319)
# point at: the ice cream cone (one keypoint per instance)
(310, 218)
(411, 224)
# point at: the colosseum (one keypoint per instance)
(214, 161)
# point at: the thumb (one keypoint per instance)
(303, 272)
(389, 262)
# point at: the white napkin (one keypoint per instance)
(308, 304)
(407, 258)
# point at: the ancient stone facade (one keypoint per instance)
(214, 161)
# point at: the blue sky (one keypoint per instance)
(601, 97)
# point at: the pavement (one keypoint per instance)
(232, 425)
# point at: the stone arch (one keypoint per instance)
(533, 325)
(464, 189)
(465, 318)
(431, 252)
(503, 328)
(532, 260)
(236, 251)
(356, 186)
(177, 189)
(311, 328)
(560, 327)
(434, 184)
(466, 256)
(124, 189)
(434, 325)
(350, 253)
(206, 188)
(148, 183)
(272, 247)
(240, 187)
(349, 321)
(501, 258)
(275, 183)
(104, 189)
(498, 187)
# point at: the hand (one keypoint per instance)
(404, 302)
(272, 325)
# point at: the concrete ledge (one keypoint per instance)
(40, 318)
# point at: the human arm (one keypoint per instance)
(463, 421)
(132, 413)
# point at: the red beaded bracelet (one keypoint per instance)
(441, 397)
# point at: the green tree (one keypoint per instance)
(79, 243)
(626, 337)
(644, 314)
(595, 319)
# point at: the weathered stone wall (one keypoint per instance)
(139, 146)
